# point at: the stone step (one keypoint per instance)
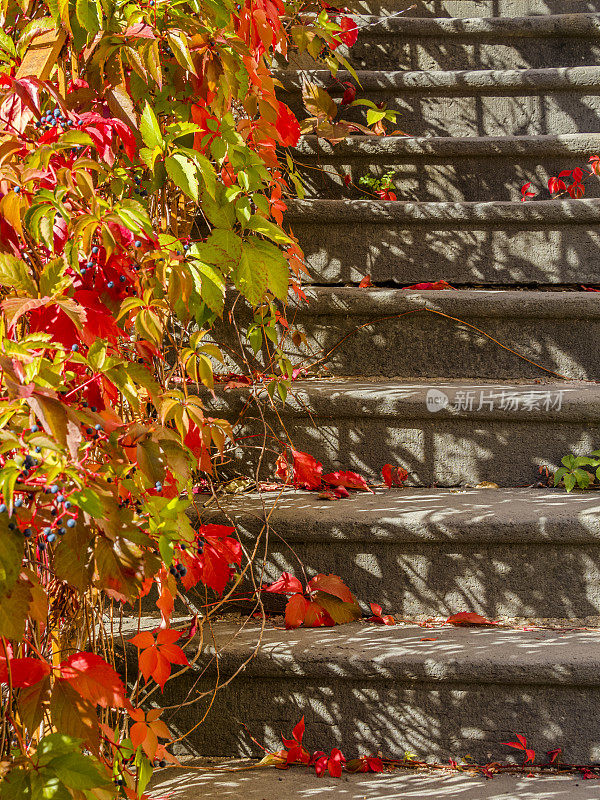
(426, 169)
(445, 433)
(473, 8)
(540, 242)
(559, 331)
(366, 688)
(469, 103)
(422, 553)
(557, 40)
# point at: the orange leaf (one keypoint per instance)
(469, 618)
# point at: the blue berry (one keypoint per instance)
(57, 112)
(83, 270)
(34, 429)
(12, 527)
(110, 284)
(94, 409)
(38, 449)
(74, 347)
(98, 427)
(51, 537)
(71, 523)
(95, 250)
(27, 532)
(60, 498)
(46, 531)
(122, 278)
(89, 431)
(2, 508)
(173, 570)
(68, 504)
(17, 189)
(90, 264)
(138, 243)
(42, 546)
(62, 531)
(182, 570)
(18, 503)
(54, 488)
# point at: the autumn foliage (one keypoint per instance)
(142, 187)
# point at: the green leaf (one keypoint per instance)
(89, 15)
(150, 129)
(52, 279)
(218, 211)
(570, 481)
(268, 229)
(12, 545)
(264, 257)
(183, 173)
(14, 608)
(14, 273)
(77, 771)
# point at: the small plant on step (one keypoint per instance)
(577, 471)
(381, 186)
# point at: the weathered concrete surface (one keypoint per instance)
(423, 553)
(475, 8)
(442, 169)
(546, 241)
(472, 103)
(365, 688)
(299, 784)
(560, 40)
(485, 431)
(386, 338)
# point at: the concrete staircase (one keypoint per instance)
(493, 93)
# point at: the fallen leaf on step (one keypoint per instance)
(428, 639)
(437, 285)
(379, 617)
(393, 476)
(468, 618)
(366, 281)
(487, 485)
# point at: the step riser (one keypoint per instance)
(433, 53)
(483, 115)
(423, 344)
(555, 252)
(473, 8)
(437, 180)
(437, 449)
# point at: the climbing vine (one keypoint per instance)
(142, 188)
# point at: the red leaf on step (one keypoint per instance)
(525, 193)
(364, 764)
(469, 618)
(300, 611)
(350, 480)
(365, 283)
(393, 476)
(437, 285)
(331, 584)
(305, 471)
(556, 185)
(521, 744)
(379, 617)
(286, 584)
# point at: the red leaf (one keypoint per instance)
(295, 611)
(393, 476)
(556, 185)
(349, 94)
(287, 126)
(95, 680)
(469, 618)
(437, 285)
(379, 617)
(350, 480)
(286, 584)
(306, 471)
(564, 174)
(349, 33)
(24, 672)
(331, 584)
(298, 731)
(365, 283)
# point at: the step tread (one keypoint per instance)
(458, 82)
(351, 397)
(564, 25)
(456, 146)
(372, 301)
(366, 652)
(508, 212)
(427, 516)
